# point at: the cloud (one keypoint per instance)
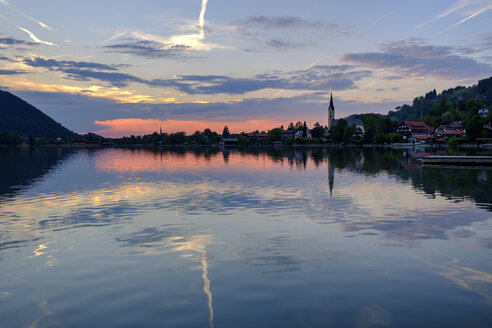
(78, 112)
(154, 46)
(116, 79)
(391, 78)
(252, 24)
(269, 32)
(85, 71)
(149, 49)
(316, 78)
(35, 38)
(53, 64)
(14, 42)
(414, 58)
(10, 72)
(136, 126)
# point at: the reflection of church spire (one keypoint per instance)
(331, 176)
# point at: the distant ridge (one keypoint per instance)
(21, 118)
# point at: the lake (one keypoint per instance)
(319, 237)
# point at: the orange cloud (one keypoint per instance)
(137, 126)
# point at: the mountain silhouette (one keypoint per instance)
(21, 118)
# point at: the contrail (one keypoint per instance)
(201, 18)
(314, 63)
(278, 93)
(457, 6)
(35, 38)
(43, 25)
(476, 13)
(379, 20)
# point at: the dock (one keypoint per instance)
(470, 162)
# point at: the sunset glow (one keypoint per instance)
(250, 65)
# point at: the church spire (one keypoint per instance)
(331, 112)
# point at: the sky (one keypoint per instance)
(122, 67)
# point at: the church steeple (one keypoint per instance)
(331, 111)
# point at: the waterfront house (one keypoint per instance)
(488, 128)
(228, 142)
(354, 121)
(415, 131)
(288, 134)
(257, 136)
(298, 134)
(444, 132)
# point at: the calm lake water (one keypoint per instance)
(206, 238)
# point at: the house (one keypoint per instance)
(447, 131)
(228, 142)
(258, 137)
(288, 134)
(299, 134)
(359, 125)
(415, 131)
(488, 128)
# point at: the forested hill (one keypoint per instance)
(455, 104)
(20, 118)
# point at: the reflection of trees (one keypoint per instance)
(22, 166)
(470, 184)
(465, 184)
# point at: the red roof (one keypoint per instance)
(417, 125)
(450, 132)
(423, 137)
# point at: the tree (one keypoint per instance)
(348, 132)
(304, 130)
(242, 140)
(298, 126)
(474, 129)
(337, 130)
(453, 141)
(291, 126)
(274, 135)
(318, 131)
(394, 138)
(447, 118)
(225, 132)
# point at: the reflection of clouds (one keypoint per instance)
(197, 183)
(401, 213)
(373, 315)
(473, 280)
(272, 255)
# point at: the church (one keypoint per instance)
(331, 112)
(351, 120)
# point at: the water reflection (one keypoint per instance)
(233, 220)
(20, 167)
(207, 181)
(151, 241)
